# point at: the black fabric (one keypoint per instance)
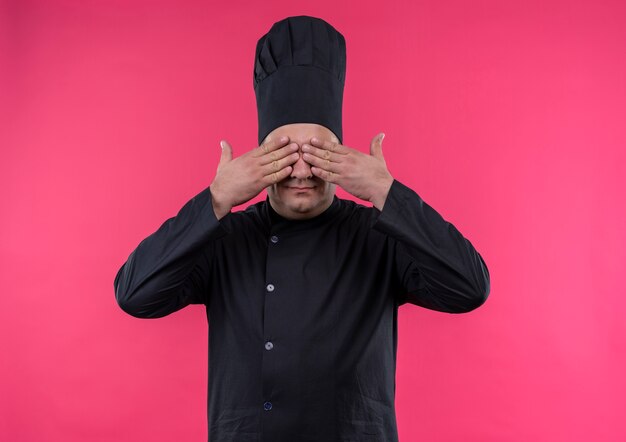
(330, 313)
(299, 75)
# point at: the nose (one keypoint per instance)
(301, 169)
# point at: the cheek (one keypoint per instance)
(280, 192)
(329, 189)
(271, 191)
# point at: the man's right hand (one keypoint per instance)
(241, 179)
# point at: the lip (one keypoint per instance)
(299, 188)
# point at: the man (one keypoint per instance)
(302, 290)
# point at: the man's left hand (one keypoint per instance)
(364, 176)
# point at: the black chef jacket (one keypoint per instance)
(303, 314)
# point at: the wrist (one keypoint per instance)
(380, 195)
(220, 206)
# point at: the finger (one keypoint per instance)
(334, 157)
(326, 175)
(277, 176)
(329, 145)
(227, 152)
(279, 154)
(271, 145)
(277, 165)
(376, 146)
(325, 164)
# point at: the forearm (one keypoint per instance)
(441, 269)
(163, 274)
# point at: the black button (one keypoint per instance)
(267, 406)
(274, 239)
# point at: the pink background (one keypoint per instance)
(506, 117)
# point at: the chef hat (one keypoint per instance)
(299, 75)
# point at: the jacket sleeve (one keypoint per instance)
(438, 268)
(170, 268)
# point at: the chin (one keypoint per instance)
(302, 207)
(299, 204)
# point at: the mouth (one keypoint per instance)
(300, 190)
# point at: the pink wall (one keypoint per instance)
(507, 117)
